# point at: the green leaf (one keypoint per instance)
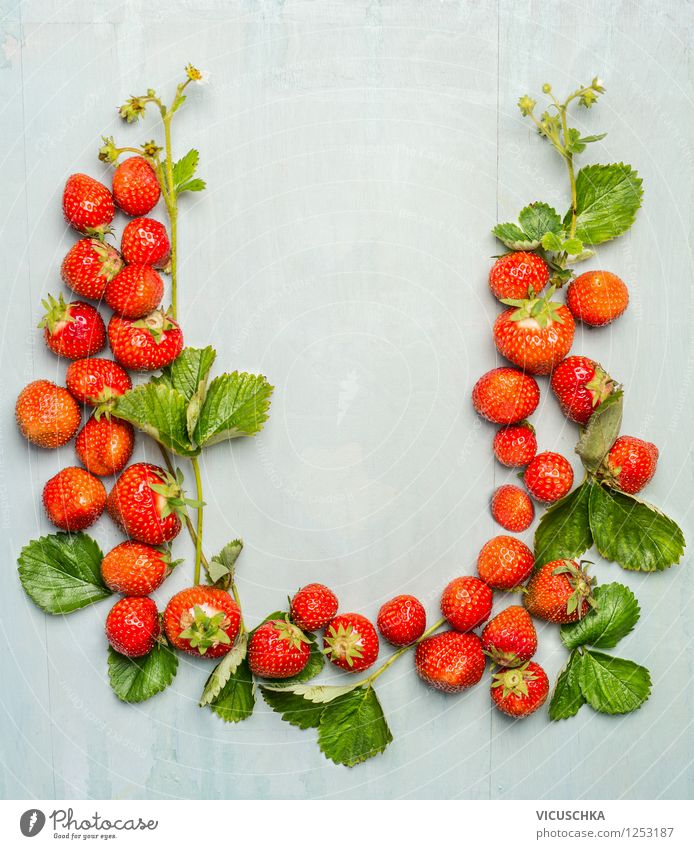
(607, 200)
(196, 185)
(221, 568)
(236, 405)
(598, 436)
(140, 678)
(236, 700)
(616, 614)
(613, 685)
(513, 237)
(352, 728)
(552, 242)
(223, 671)
(188, 372)
(294, 709)
(159, 411)
(184, 169)
(62, 572)
(634, 534)
(317, 693)
(567, 697)
(537, 219)
(573, 246)
(564, 529)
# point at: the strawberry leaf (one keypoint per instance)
(352, 728)
(513, 237)
(159, 411)
(196, 185)
(293, 708)
(236, 700)
(224, 670)
(598, 436)
(317, 693)
(567, 697)
(613, 685)
(221, 567)
(537, 219)
(139, 678)
(235, 405)
(616, 614)
(607, 200)
(185, 168)
(564, 529)
(188, 373)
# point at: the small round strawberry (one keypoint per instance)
(135, 186)
(132, 626)
(505, 395)
(135, 569)
(450, 661)
(504, 562)
(580, 385)
(521, 691)
(402, 620)
(313, 606)
(466, 603)
(47, 415)
(135, 292)
(104, 445)
(278, 649)
(73, 330)
(74, 499)
(87, 204)
(510, 638)
(88, 266)
(146, 503)
(515, 445)
(512, 508)
(630, 464)
(518, 275)
(549, 477)
(560, 591)
(351, 642)
(145, 242)
(202, 621)
(597, 297)
(96, 381)
(148, 344)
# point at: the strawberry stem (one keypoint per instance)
(382, 668)
(198, 534)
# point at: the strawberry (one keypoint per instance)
(145, 345)
(313, 606)
(510, 638)
(518, 275)
(560, 591)
(516, 445)
(104, 445)
(87, 204)
(630, 464)
(580, 385)
(97, 381)
(450, 661)
(202, 621)
(146, 503)
(351, 642)
(597, 297)
(504, 562)
(145, 242)
(402, 620)
(46, 414)
(74, 499)
(135, 569)
(466, 602)
(549, 477)
(521, 691)
(135, 186)
(135, 292)
(535, 334)
(132, 626)
(505, 395)
(512, 508)
(88, 266)
(73, 330)
(278, 649)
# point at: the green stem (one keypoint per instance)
(569, 159)
(171, 207)
(381, 669)
(198, 530)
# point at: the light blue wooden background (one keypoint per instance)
(357, 155)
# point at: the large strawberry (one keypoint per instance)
(466, 602)
(512, 508)
(549, 477)
(135, 292)
(510, 638)
(73, 330)
(505, 395)
(518, 275)
(521, 691)
(202, 621)
(580, 385)
(515, 445)
(630, 464)
(313, 606)
(402, 620)
(132, 626)
(450, 661)
(351, 642)
(135, 569)
(597, 297)
(504, 562)
(104, 445)
(74, 499)
(560, 591)
(46, 414)
(88, 266)
(145, 242)
(135, 186)
(87, 204)
(97, 382)
(278, 649)
(148, 344)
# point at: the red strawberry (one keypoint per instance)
(505, 395)
(135, 569)
(145, 242)
(597, 297)
(313, 606)
(104, 445)
(145, 345)
(74, 499)
(46, 414)
(549, 477)
(135, 186)
(521, 691)
(560, 591)
(402, 620)
(516, 445)
(512, 508)
(351, 642)
(504, 562)
(135, 292)
(278, 649)
(580, 385)
(88, 266)
(87, 204)
(96, 381)
(450, 661)
(146, 503)
(630, 464)
(72, 330)
(510, 638)
(132, 626)
(518, 275)
(202, 621)
(466, 603)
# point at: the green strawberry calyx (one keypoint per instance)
(543, 310)
(343, 643)
(57, 314)
(502, 658)
(111, 262)
(286, 630)
(514, 681)
(172, 496)
(600, 386)
(157, 323)
(581, 584)
(203, 629)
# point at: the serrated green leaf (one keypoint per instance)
(159, 411)
(236, 700)
(221, 567)
(538, 219)
(607, 200)
(573, 247)
(62, 572)
(317, 693)
(552, 242)
(598, 436)
(223, 671)
(613, 685)
(196, 185)
(235, 405)
(564, 529)
(294, 709)
(616, 614)
(567, 697)
(188, 375)
(352, 728)
(184, 169)
(140, 678)
(513, 237)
